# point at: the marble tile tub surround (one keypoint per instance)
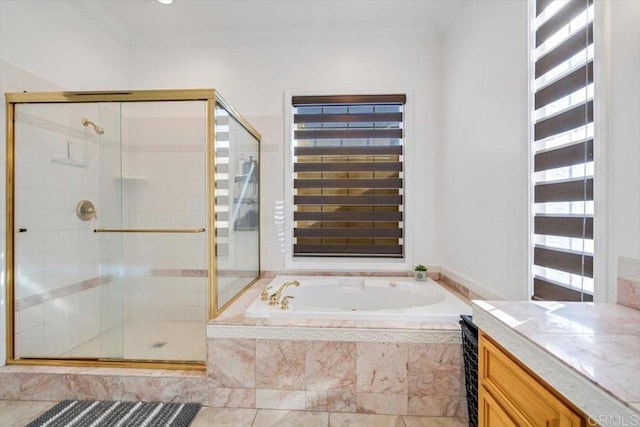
(399, 368)
(589, 352)
(629, 282)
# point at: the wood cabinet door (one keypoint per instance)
(521, 396)
(490, 413)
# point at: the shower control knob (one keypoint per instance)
(85, 210)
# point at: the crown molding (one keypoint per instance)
(278, 37)
(94, 12)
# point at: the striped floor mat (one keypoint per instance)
(91, 413)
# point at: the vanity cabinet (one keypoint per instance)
(510, 395)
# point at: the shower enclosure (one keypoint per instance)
(132, 218)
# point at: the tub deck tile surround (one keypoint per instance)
(332, 401)
(230, 397)
(232, 362)
(331, 367)
(280, 365)
(381, 403)
(378, 367)
(382, 367)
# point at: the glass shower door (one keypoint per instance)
(156, 234)
(58, 201)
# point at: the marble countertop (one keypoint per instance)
(589, 352)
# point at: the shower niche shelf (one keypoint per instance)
(69, 162)
(131, 178)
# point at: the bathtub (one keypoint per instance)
(362, 298)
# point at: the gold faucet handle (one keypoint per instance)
(285, 302)
(264, 296)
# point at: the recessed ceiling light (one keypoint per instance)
(166, 1)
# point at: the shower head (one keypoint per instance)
(97, 129)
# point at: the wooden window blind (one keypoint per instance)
(348, 176)
(563, 138)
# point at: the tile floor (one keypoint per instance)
(18, 413)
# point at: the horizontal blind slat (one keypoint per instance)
(349, 99)
(355, 200)
(570, 119)
(331, 133)
(574, 44)
(565, 15)
(566, 226)
(550, 291)
(566, 85)
(348, 167)
(541, 5)
(566, 191)
(222, 168)
(347, 232)
(348, 183)
(564, 156)
(347, 118)
(348, 249)
(386, 150)
(568, 262)
(369, 216)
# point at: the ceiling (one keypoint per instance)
(196, 22)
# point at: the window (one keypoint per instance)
(348, 176)
(563, 138)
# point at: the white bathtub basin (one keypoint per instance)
(364, 298)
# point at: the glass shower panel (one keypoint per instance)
(164, 266)
(58, 275)
(237, 206)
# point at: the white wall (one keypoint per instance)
(484, 154)
(46, 45)
(56, 41)
(254, 78)
(621, 81)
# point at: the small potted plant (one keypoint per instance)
(420, 272)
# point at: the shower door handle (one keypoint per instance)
(149, 230)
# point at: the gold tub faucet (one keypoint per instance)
(274, 299)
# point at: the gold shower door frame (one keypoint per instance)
(212, 97)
